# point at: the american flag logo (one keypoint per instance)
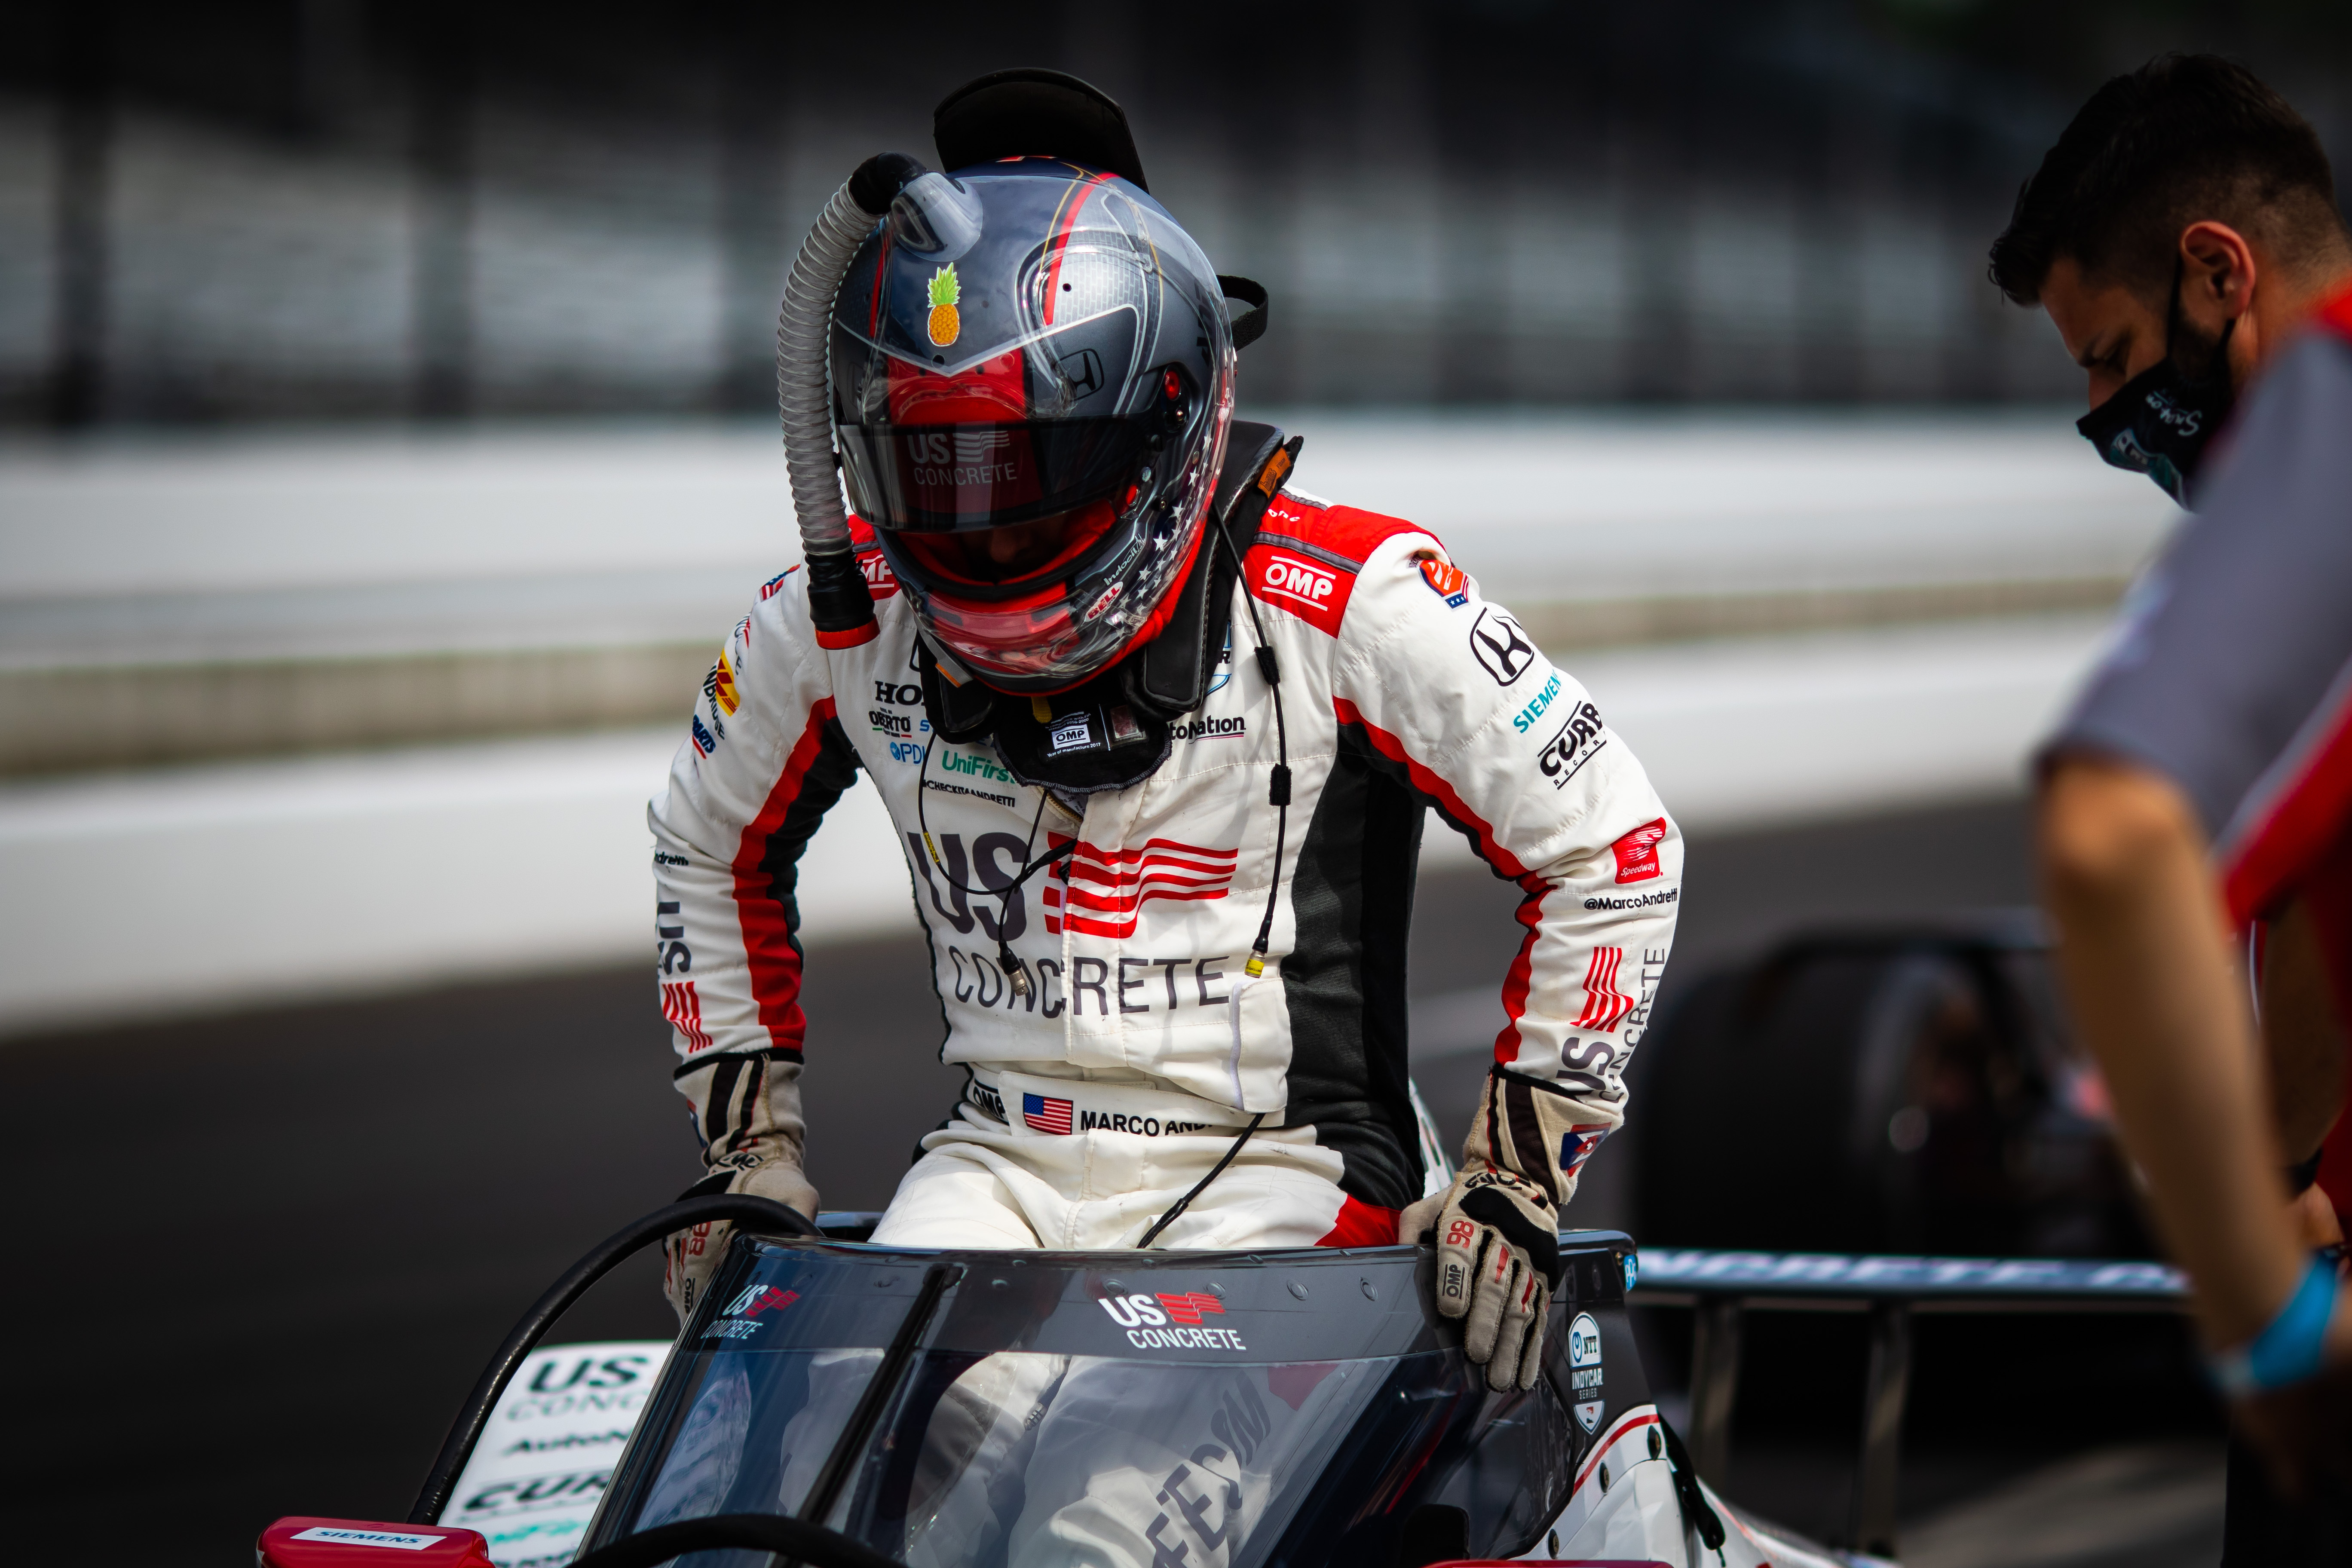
(1098, 892)
(682, 1008)
(1188, 1307)
(1045, 1114)
(1576, 1146)
(1605, 1006)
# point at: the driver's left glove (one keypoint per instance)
(1497, 1227)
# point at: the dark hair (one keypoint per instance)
(2184, 138)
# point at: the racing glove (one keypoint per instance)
(1497, 1227)
(747, 1110)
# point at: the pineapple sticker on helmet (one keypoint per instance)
(946, 326)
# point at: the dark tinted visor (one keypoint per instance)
(938, 478)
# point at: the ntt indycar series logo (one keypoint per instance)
(1171, 1322)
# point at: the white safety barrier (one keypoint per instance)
(148, 894)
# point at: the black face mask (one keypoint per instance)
(2159, 421)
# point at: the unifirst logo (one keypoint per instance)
(1294, 579)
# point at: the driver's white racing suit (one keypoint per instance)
(1104, 1094)
(1126, 1072)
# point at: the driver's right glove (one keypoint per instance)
(1497, 1227)
(748, 1110)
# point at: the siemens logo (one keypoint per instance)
(1525, 718)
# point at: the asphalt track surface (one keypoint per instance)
(256, 1261)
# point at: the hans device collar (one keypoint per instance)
(1114, 731)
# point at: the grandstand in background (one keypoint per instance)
(289, 209)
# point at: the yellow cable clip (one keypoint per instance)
(1040, 711)
(933, 848)
(1255, 967)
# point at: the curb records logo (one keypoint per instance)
(1501, 646)
(1146, 1320)
(1584, 1374)
(1577, 741)
(740, 1320)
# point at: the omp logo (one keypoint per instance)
(879, 579)
(1286, 576)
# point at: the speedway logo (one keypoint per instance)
(1637, 852)
(740, 1320)
(1165, 1322)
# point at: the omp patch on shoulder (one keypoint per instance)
(1308, 555)
(880, 581)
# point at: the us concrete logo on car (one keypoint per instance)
(1584, 1374)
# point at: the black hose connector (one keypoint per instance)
(879, 179)
(841, 604)
(793, 1539)
(739, 1208)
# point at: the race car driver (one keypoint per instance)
(1157, 730)
(2197, 805)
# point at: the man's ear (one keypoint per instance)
(2218, 274)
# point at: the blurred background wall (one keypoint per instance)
(388, 441)
(304, 208)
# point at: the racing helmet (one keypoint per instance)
(1032, 341)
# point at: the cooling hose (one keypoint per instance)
(839, 601)
(742, 1209)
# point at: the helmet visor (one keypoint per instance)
(948, 478)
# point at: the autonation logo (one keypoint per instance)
(1210, 729)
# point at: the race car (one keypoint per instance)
(846, 1405)
(834, 1402)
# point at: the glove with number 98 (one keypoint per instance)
(690, 1256)
(1497, 1227)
